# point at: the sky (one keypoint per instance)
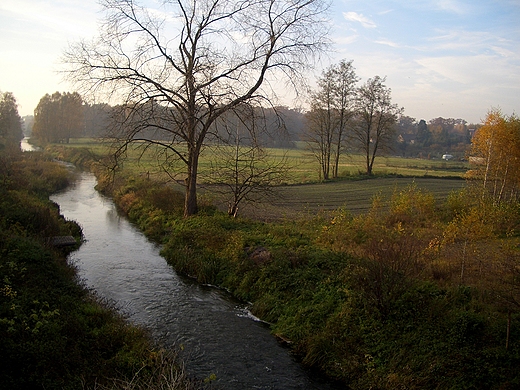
(441, 58)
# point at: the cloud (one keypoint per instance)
(470, 42)
(452, 6)
(355, 17)
(345, 40)
(472, 70)
(386, 42)
(72, 18)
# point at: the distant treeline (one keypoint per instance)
(61, 116)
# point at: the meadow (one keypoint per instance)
(302, 192)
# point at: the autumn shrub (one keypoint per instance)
(411, 206)
(166, 199)
(459, 202)
(351, 293)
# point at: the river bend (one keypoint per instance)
(217, 333)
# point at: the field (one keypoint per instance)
(352, 195)
(302, 192)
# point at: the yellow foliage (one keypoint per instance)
(496, 147)
(127, 201)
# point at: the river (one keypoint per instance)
(26, 146)
(216, 333)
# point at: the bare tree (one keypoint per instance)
(344, 93)
(332, 107)
(318, 136)
(376, 119)
(244, 171)
(218, 55)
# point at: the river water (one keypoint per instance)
(26, 146)
(217, 334)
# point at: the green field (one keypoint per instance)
(302, 191)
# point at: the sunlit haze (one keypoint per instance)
(442, 58)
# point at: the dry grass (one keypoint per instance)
(163, 373)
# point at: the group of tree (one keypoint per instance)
(58, 117)
(186, 74)
(495, 154)
(345, 117)
(435, 137)
(10, 123)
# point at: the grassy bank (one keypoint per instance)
(374, 301)
(416, 292)
(54, 334)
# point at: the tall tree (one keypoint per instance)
(407, 129)
(97, 119)
(447, 133)
(424, 136)
(318, 136)
(10, 123)
(332, 107)
(59, 117)
(376, 118)
(196, 59)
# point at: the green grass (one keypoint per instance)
(356, 196)
(303, 192)
(356, 297)
(304, 167)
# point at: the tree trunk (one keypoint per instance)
(336, 161)
(488, 164)
(367, 146)
(190, 203)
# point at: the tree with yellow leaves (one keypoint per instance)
(496, 150)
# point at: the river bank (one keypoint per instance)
(220, 342)
(54, 333)
(374, 301)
